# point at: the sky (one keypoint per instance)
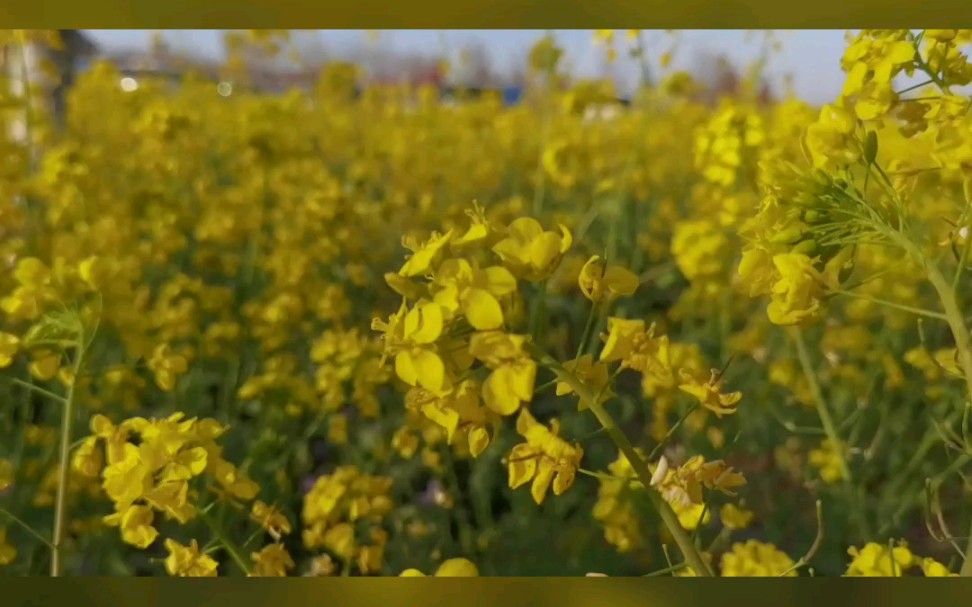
(809, 59)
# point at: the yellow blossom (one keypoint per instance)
(271, 519)
(602, 283)
(7, 551)
(878, 560)
(531, 252)
(8, 348)
(457, 567)
(136, 526)
(272, 561)
(513, 372)
(798, 291)
(756, 559)
(187, 561)
(735, 518)
(709, 393)
(544, 458)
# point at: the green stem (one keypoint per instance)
(825, 419)
(960, 268)
(671, 569)
(459, 514)
(915, 86)
(26, 527)
(914, 501)
(31, 387)
(588, 329)
(235, 552)
(539, 312)
(540, 175)
(668, 516)
(60, 507)
(643, 62)
(830, 429)
(960, 332)
(891, 304)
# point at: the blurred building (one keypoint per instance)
(77, 52)
(159, 63)
(46, 71)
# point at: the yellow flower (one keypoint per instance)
(127, 480)
(423, 323)
(615, 508)
(629, 342)
(476, 293)
(423, 254)
(603, 36)
(603, 283)
(544, 458)
(337, 429)
(235, 483)
(8, 348)
(272, 561)
(595, 374)
(335, 503)
(7, 552)
(699, 248)
(34, 291)
(480, 230)
(709, 393)
(876, 98)
(877, 560)
(829, 140)
(340, 540)
(513, 372)
(829, 461)
(422, 367)
(458, 567)
(88, 459)
(45, 365)
(370, 559)
(136, 525)
(756, 559)
(411, 335)
(735, 518)
(941, 36)
(459, 407)
(691, 516)
(6, 474)
(756, 270)
(167, 366)
(683, 486)
(271, 519)
(933, 568)
(797, 293)
(531, 252)
(187, 561)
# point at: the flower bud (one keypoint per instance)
(790, 235)
(806, 247)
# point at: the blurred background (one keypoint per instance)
(802, 62)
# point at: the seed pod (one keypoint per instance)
(790, 235)
(813, 217)
(806, 247)
(870, 147)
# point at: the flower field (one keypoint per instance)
(371, 332)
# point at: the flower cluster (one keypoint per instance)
(334, 509)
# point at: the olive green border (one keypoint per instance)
(507, 592)
(389, 14)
